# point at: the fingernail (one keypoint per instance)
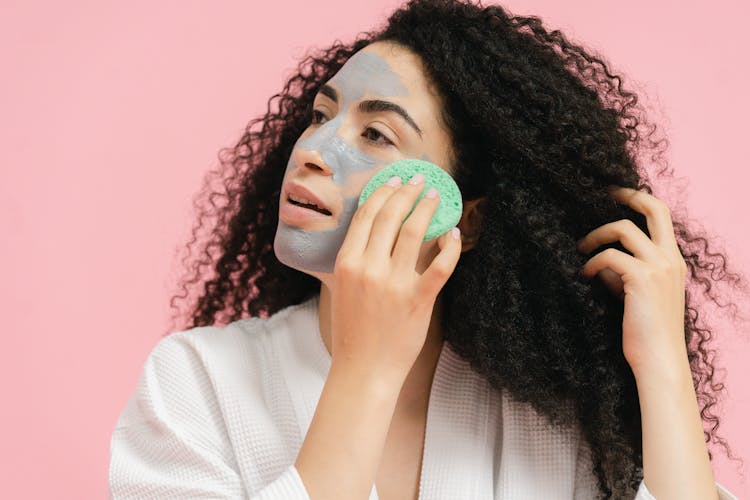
(431, 193)
(394, 181)
(456, 233)
(416, 179)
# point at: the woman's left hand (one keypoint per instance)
(651, 281)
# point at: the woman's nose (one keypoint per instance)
(310, 159)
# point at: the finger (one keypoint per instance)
(437, 273)
(613, 281)
(359, 229)
(625, 231)
(658, 217)
(410, 238)
(387, 223)
(617, 261)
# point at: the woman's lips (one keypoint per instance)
(302, 192)
(298, 215)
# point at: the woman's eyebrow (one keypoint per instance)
(374, 106)
(329, 92)
(377, 105)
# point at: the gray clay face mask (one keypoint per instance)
(316, 250)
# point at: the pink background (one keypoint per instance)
(113, 113)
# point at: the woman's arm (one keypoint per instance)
(651, 282)
(381, 309)
(344, 444)
(675, 457)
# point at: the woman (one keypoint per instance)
(546, 352)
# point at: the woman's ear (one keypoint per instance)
(471, 222)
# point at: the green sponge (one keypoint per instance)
(449, 210)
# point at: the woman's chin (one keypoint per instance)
(306, 250)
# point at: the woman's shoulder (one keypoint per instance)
(211, 363)
(216, 397)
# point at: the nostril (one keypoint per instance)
(312, 165)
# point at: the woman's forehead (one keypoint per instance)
(382, 68)
(367, 72)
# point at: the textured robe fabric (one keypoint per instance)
(221, 412)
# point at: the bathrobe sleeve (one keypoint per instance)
(645, 494)
(170, 440)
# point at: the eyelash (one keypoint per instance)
(387, 141)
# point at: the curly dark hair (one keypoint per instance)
(539, 127)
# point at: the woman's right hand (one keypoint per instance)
(380, 305)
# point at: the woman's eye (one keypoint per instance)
(378, 134)
(315, 114)
(371, 134)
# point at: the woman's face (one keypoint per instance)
(353, 133)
